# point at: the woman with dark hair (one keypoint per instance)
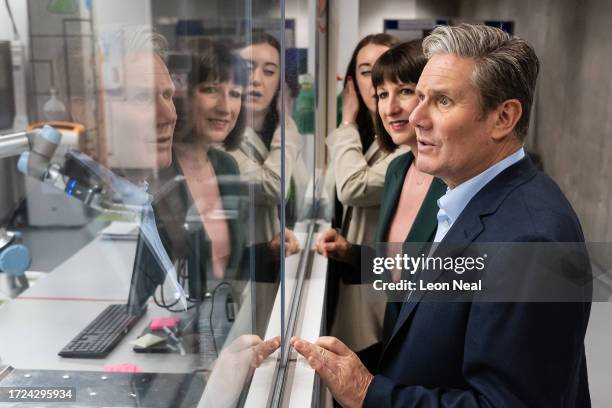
(409, 198)
(395, 76)
(357, 172)
(262, 55)
(259, 154)
(215, 116)
(201, 206)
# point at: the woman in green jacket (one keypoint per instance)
(409, 200)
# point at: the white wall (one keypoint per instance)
(346, 26)
(298, 10)
(121, 12)
(373, 12)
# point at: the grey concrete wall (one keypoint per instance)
(573, 125)
(573, 109)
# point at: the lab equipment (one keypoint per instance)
(41, 143)
(93, 184)
(7, 97)
(81, 177)
(54, 109)
(49, 207)
(12, 85)
(15, 259)
(19, 58)
(102, 335)
(113, 323)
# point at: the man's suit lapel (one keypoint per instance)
(469, 226)
(467, 231)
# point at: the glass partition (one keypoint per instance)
(159, 172)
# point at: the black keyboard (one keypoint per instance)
(102, 334)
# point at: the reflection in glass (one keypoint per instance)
(159, 113)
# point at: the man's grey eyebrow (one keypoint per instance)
(434, 92)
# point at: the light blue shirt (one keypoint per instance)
(454, 201)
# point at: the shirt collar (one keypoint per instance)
(454, 201)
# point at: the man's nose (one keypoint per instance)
(419, 117)
(165, 109)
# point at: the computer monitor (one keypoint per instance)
(182, 233)
(147, 275)
(183, 241)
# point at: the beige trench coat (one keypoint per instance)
(261, 168)
(359, 180)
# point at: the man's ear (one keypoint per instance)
(507, 116)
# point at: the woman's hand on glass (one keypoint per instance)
(350, 102)
(292, 245)
(333, 245)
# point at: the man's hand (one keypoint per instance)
(292, 245)
(333, 245)
(232, 368)
(252, 346)
(339, 368)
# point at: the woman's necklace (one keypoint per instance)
(199, 175)
(197, 164)
(201, 171)
(418, 177)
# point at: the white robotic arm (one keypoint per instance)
(96, 186)
(80, 177)
(15, 258)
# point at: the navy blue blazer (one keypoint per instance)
(444, 354)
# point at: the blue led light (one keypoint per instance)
(70, 187)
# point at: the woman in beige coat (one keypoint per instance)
(259, 155)
(259, 160)
(357, 169)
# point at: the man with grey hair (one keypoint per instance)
(139, 109)
(475, 94)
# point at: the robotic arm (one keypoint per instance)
(42, 143)
(96, 186)
(80, 177)
(15, 258)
